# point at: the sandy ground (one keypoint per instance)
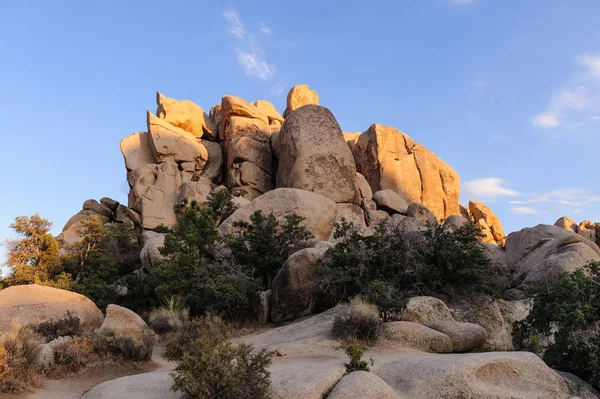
(74, 387)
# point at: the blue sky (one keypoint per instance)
(505, 91)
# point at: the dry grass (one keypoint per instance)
(19, 359)
(356, 320)
(170, 317)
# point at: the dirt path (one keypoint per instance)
(74, 387)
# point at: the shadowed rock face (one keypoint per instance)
(313, 155)
(538, 255)
(390, 159)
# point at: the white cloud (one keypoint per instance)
(278, 89)
(545, 120)
(265, 29)
(481, 83)
(575, 99)
(568, 196)
(235, 26)
(254, 65)
(524, 210)
(250, 56)
(595, 118)
(490, 187)
(592, 62)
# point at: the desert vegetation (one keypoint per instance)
(564, 324)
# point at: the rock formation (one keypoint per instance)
(390, 159)
(34, 304)
(488, 222)
(299, 96)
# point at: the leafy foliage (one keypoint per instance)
(262, 246)
(394, 264)
(212, 367)
(564, 324)
(206, 327)
(355, 352)
(34, 257)
(356, 320)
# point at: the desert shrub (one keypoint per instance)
(6, 376)
(207, 328)
(22, 348)
(261, 246)
(355, 352)
(72, 355)
(70, 325)
(564, 324)
(137, 348)
(223, 370)
(171, 316)
(394, 264)
(356, 320)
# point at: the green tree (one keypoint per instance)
(262, 246)
(394, 264)
(564, 324)
(33, 258)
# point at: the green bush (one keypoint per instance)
(394, 264)
(564, 324)
(207, 328)
(356, 320)
(136, 348)
(262, 245)
(68, 326)
(223, 370)
(355, 352)
(171, 316)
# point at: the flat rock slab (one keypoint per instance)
(311, 377)
(492, 375)
(363, 385)
(154, 385)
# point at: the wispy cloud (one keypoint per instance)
(481, 83)
(250, 56)
(592, 62)
(254, 65)
(567, 196)
(524, 210)
(234, 24)
(265, 29)
(582, 93)
(545, 119)
(490, 187)
(278, 89)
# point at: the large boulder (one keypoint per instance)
(185, 115)
(150, 253)
(363, 385)
(588, 229)
(305, 379)
(319, 212)
(153, 385)
(236, 106)
(425, 309)
(195, 191)
(312, 155)
(299, 96)
(270, 110)
(169, 142)
(390, 201)
(136, 151)
(490, 225)
(492, 375)
(566, 223)
(465, 336)
(123, 322)
(496, 316)
(416, 336)
(539, 255)
(34, 304)
(153, 193)
(390, 159)
(422, 214)
(291, 288)
(97, 207)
